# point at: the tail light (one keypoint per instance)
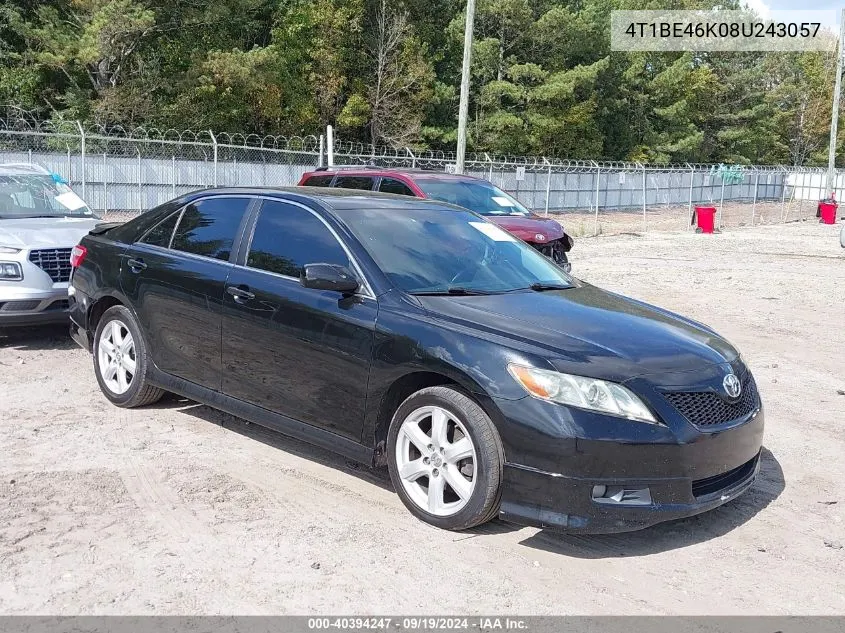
(77, 256)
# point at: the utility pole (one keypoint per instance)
(834, 117)
(463, 109)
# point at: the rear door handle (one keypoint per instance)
(239, 294)
(136, 265)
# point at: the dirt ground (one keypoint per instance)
(179, 509)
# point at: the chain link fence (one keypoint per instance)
(122, 172)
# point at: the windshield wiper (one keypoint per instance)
(538, 287)
(451, 290)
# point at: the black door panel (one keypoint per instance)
(299, 352)
(175, 278)
(179, 300)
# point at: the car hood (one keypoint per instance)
(33, 233)
(528, 228)
(587, 331)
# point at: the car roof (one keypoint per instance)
(413, 174)
(22, 169)
(333, 198)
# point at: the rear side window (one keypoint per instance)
(354, 182)
(318, 181)
(209, 227)
(287, 237)
(161, 233)
(391, 185)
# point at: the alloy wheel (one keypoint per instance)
(116, 357)
(436, 461)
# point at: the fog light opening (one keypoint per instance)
(618, 495)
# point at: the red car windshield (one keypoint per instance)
(476, 195)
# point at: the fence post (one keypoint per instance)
(29, 151)
(140, 183)
(173, 176)
(489, 160)
(598, 179)
(645, 221)
(330, 145)
(322, 150)
(548, 184)
(783, 182)
(82, 146)
(413, 158)
(69, 164)
(721, 204)
(105, 184)
(754, 204)
(214, 145)
(689, 205)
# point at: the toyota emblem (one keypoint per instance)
(732, 386)
(540, 237)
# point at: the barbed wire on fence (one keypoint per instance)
(129, 169)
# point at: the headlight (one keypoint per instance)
(10, 271)
(8, 250)
(585, 393)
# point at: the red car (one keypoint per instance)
(481, 196)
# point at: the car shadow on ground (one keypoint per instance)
(378, 477)
(674, 534)
(37, 338)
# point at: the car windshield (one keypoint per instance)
(431, 250)
(476, 195)
(35, 196)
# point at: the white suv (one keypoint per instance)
(41, 220)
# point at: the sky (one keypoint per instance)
(833, 7)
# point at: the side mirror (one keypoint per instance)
(329, 277)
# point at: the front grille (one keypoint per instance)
(53, 261)
(708, 409)
(712, 485)
(18, 306)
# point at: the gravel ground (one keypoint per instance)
(179, 509)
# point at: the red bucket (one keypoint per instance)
(828, 212)
(706, 218)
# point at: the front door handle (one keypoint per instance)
(239, 294)
(136, 265)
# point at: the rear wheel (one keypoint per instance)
(445, 459)
(121, 361)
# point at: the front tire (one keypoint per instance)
(445, 459)
(121, 362)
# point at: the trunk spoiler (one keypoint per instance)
(103, 227)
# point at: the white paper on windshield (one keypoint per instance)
(502, 202)
(70, 200)
(493, 232)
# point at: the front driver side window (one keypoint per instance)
(287, 237)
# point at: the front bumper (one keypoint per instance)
(23, 307)
(560, 460)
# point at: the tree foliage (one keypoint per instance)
(544, 80)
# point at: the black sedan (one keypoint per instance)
(417, 335)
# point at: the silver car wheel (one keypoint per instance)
(116, 357)
(436, 461)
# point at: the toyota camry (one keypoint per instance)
(417, 335)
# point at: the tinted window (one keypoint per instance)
(160, 235)
(354, 182)
(288, 237)
(209, 227)
(391, 185)
(319, 181)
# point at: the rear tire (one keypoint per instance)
(121, 362)
(445, 459)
